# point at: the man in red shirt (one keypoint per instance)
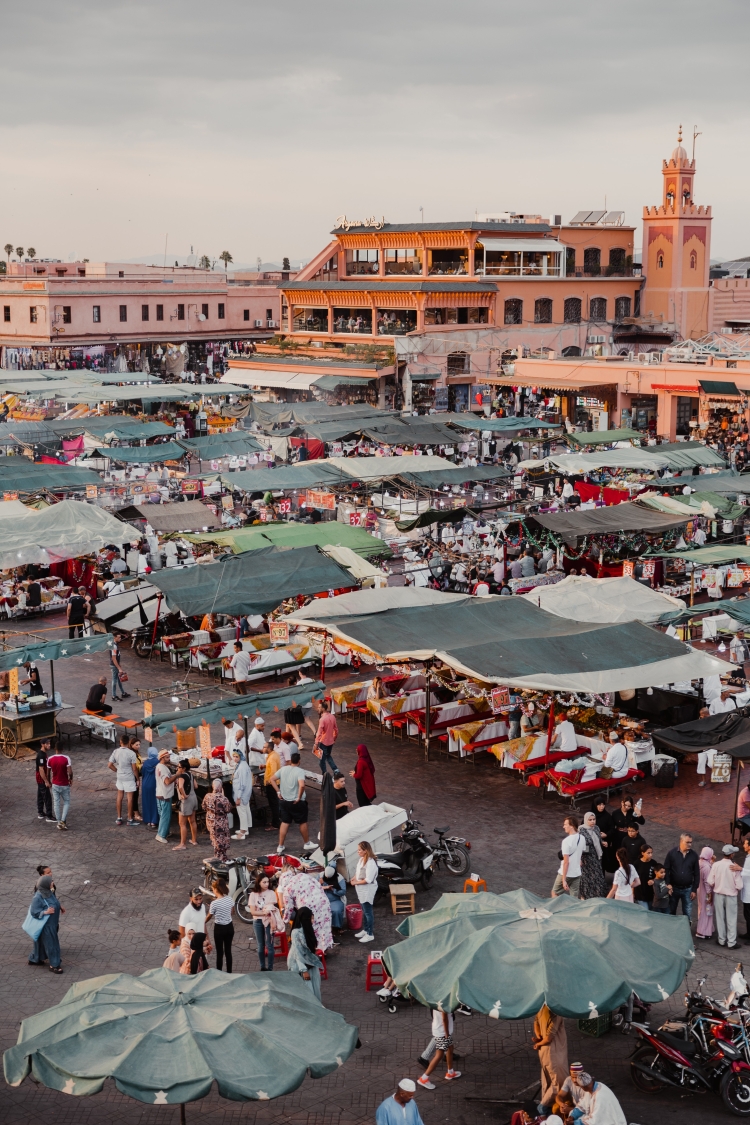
(60, 771)
(325, 737)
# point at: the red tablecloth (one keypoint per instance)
(596, 492)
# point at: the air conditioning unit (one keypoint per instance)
(272, 324)
(596, 339)
(259, 324)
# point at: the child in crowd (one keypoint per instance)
(660, 901)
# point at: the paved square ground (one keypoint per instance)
(122, 891)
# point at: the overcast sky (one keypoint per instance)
(249, 126)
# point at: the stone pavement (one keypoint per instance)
(122, 891)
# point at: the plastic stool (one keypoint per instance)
(376, 974)
(476, 885)
(323, 970)
(280, 945)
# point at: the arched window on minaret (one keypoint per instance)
(660, 261)
(693, 260)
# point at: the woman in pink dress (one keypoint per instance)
(705, 926)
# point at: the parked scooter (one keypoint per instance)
(239, 878)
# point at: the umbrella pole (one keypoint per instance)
(52, 679)
(427, 713)
(182, 1113)
(740, 767)
(156, 621)
(550, 728)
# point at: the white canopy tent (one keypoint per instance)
(580, 598)
(62, 531)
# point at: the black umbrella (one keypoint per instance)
(327, 815)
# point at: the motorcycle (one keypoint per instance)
(240, 879)
(412, 863)
(452, 850)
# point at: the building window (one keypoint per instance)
(330, 271)
(543, 310)
(33, 314)
(660, 261)
(572, 310)
(61, 273)
(570, 261)
(82, 272)
(693, 260)
(204, 312)
(403, 261)
(180, 312)
(592, 261)
(160, 312)
(513, 311)
(396, 322)
(598, 308)
(66, 317)
(617, 260)
(448, 261)
(246, 314)
(221, 311)
(97, 311)
(144, 312)
(269, 314)
(622, 308)
(357, 321)
(464, 314)
(121, 273)
(458, 364)
(309, 320)
(361, 261)
(123, 313)
(6, 313)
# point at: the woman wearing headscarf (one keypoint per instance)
(364, 776)
(302, 957)
(705, 927)
(149, 809)
(217, 809)
(198, 962)
(334, 886)
(298, 890)
(607, 833)
(45, 904)
(593, 884)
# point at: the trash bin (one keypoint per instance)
(354, 917)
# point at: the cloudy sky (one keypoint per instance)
(249, 125)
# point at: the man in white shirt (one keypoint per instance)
(234, 739)
(498, 571)
(745, 892)
(240, 665)
(256, 744)
(565, 735)
(164, 790)
(617, 756)
(699, 537)
(193, 917)
(569, 875)
(725, 702)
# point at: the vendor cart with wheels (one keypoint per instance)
(19, 728)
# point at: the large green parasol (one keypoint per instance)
(506, 955)
(164, 1038)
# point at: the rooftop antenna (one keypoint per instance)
(421, 214)
(696, 134)
(166, 239)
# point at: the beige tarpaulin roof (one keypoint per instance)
(62, 531)
(603, 599)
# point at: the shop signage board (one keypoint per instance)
(91, 491)
(285, 504)
(279, 632)
(722, 768)
(10, 496)
(628, 568)
(500, 699)
(204, 737)
(325, 500)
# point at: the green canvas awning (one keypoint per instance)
(306, 474)
(688, 454)
(710, 556)
(435, 478)
(54, 650)
(628, 516)
(328, 534)
(726, 483)
(232, 707)
(234, 444)
(141, 454)
(253, 582)
(499, 425)
(125, 431)
(721, 387)
(507, 955)
(333, 382)
(512, 641)
(432, 516)
(54, 478)
(604, 437)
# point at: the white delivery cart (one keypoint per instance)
(374, 823)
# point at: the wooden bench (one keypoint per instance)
(403, 898)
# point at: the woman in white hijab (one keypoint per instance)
(593, 882)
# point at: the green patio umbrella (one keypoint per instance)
(165, 1038)
(508, 954)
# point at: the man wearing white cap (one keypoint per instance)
(256, 743)
(400, 1109)
(725, 880)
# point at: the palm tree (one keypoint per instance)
(8, 248)
(285, 264)
(204, 263)
(31, 252)
(226, 258)
(19, 253)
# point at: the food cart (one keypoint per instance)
(26, 721)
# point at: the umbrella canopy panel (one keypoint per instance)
(572, 526)
(506, 955)
(165, 1038)
(263, 703)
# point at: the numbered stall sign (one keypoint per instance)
(722, 768)
(279, 632)
(500, 699)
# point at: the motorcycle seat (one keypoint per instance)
(440, 831)
(396, 857)
(682, 1045)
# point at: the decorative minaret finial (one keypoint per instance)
(679, 136)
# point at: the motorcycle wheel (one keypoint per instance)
(427, 878)
(457, 859)
(242, 909)
(735, 1092)
(142, 647)
(646, 1057)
